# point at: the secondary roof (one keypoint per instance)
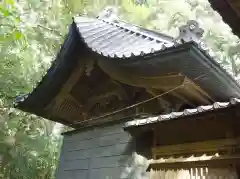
(182, 114)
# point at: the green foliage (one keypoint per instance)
(28, 146)
(31, 32)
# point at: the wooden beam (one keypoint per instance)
(122, 90)
(235, 5)
(197, 147)
(218, 162)
(182, 98)
(94, 99)
(76, 74)
(165, 82)
(154, 142)
(67, 87)
(161, 101)
(193, 89)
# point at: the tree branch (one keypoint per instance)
(8, 25)
(40, 26)
(49, 29)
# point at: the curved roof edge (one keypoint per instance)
(50, 84)
(54, 78)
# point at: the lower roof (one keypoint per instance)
(183, 114)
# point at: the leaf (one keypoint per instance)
(234, 50)
(18, 35)
(10, 2)
(4, 12)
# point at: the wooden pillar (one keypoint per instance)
(154, 142)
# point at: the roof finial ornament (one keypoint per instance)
(190, 32)
(109, 13)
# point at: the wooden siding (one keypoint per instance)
(105, 152)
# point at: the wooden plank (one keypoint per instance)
(107, 173)
(197, 147)
(85, 144)
(73, 174)
(113, 139)
(112, 150)
(110, 130)
(219, 162)
(77, 154)
(80, 164)
(112, 161)
(80, 136)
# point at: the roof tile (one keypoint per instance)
(190, 111)
(204, 108)
(122, 40)
(186, 112)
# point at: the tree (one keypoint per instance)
(29, 147)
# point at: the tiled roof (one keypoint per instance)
(126, 43)
(186, 112)
(119, 40)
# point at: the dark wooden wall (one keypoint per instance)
(104, 152)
